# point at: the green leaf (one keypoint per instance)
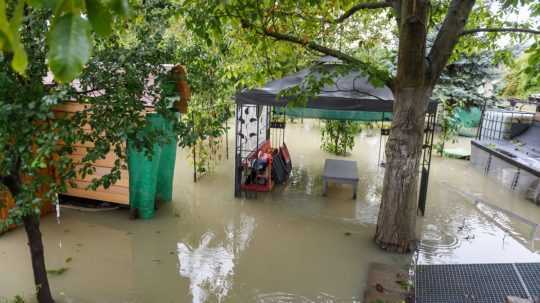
(9, 37)
(50, 4)
(20, 59)
(73, 6)
(69, 46)
(16, 20)
(99, 16)
(121, 7)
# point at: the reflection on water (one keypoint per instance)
(367, 212)
(210, 265)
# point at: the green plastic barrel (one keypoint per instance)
(166, 164)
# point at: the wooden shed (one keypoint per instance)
(118, 192)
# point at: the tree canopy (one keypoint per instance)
(68, 38)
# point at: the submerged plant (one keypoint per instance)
(338, 136)
(16, 299)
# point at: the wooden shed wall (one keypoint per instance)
(117, 193)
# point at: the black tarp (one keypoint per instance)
(350, 90)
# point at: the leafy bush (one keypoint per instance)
(338, 136)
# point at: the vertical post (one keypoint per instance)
(380, 141)
(257, 114)
(426, 161)
(226, 139)
(479, 133)
(237, 152)
(284, 123)
(268, 110)
(194, 150)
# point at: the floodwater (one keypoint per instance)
(288, 246)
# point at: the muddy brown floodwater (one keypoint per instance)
(291, 245)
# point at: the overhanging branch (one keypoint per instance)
(362, 6)
(499, 30)
(314, 46)
(327, 51)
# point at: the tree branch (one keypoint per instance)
(447, 38)
(361, 6)
(327, 51)
(314, 46)
(499, 30)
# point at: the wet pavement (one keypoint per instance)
(291, 245)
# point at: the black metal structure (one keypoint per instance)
(427, 148)
(261, 112)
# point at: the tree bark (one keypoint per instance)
(43, 291)
(396, 223)
(31, 224)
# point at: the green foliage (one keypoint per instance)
(449, 125)
(248, 22)
(463, 84)
(99, 16)
(468, 82)
(69, 38)
(337, 136)
(523, 77)
(16, 299)
(214, 73)
(204, 136)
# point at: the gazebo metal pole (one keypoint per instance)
(257, 112)
(226, 140)
(380, 141)
(194, 151)
(237, 151)
(284, 122)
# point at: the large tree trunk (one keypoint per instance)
(43, 291)
(397, 215)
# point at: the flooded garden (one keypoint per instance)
(190, 151)
(289, 245)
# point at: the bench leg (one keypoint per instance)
(355, 188)
(324, 187)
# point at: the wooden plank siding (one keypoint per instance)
(117, 193)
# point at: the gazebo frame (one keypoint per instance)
(265, 108)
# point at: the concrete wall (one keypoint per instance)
(509, 175)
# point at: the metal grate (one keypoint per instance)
(530, 272)
(468, 283)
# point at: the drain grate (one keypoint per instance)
(474, 283)
(530, 272)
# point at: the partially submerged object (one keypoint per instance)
(457, 153)
(508, 149)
